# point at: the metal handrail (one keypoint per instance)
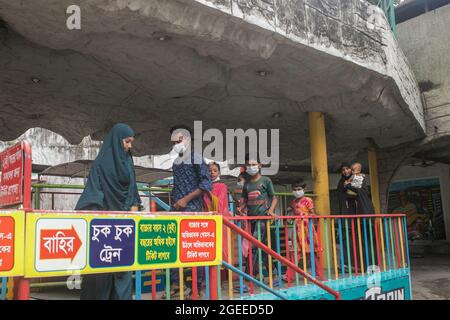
(143, 189)
(336, 216)
(258, 283)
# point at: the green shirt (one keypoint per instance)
(258, 195)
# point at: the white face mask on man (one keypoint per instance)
(298, 193)
(179, 148)
(252, 170)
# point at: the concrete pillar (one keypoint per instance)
(374, 184)
(319, 167)
(319, 162)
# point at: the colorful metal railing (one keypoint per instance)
(342, 247)
(216, 288)
(271, 255)
(3, 288)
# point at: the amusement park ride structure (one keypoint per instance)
(362, 257)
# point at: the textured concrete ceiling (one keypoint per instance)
(116, 69)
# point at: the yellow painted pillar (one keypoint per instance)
(319, 169)
(374, 184)
(319, 162)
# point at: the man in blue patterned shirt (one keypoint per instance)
(190, 173)
(191, 179)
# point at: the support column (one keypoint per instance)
(319, 170)
(374, 184)
(319, 162)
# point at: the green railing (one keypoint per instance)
(388, 6)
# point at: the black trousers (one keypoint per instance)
(107, 286)
(264, 255)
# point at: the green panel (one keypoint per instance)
(157, 241)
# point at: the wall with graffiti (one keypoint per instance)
(421, 201)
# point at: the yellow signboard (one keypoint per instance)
(12, 243)
(65, 243)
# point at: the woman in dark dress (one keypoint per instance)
(111, 186)
(361, 191)
(347, 203)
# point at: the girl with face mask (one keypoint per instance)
(303, 206)
(220, 191)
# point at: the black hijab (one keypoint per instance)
(111, 184)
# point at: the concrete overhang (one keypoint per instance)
(229, 63)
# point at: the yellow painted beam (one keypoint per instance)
(149, 283)
(374, 183)
(319, 168)
(319, 162)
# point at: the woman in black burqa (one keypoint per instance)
(111, 186)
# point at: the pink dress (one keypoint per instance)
(220, 191)
(304, 207)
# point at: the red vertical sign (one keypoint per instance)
(6, 243)
(12, 175)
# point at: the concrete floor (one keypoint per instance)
(431, 277)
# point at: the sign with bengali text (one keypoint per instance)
(12, 175)
(61, 243)
(11, 243)
(198, 240)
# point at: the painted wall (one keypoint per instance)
(442, 171)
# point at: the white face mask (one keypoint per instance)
(179, 148)
(252, 170)
(298, 193)
(168, 163)
(240, 184)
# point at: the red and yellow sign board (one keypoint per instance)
(59, 244)
(12, 176)
(12, 243)
(197, 237)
